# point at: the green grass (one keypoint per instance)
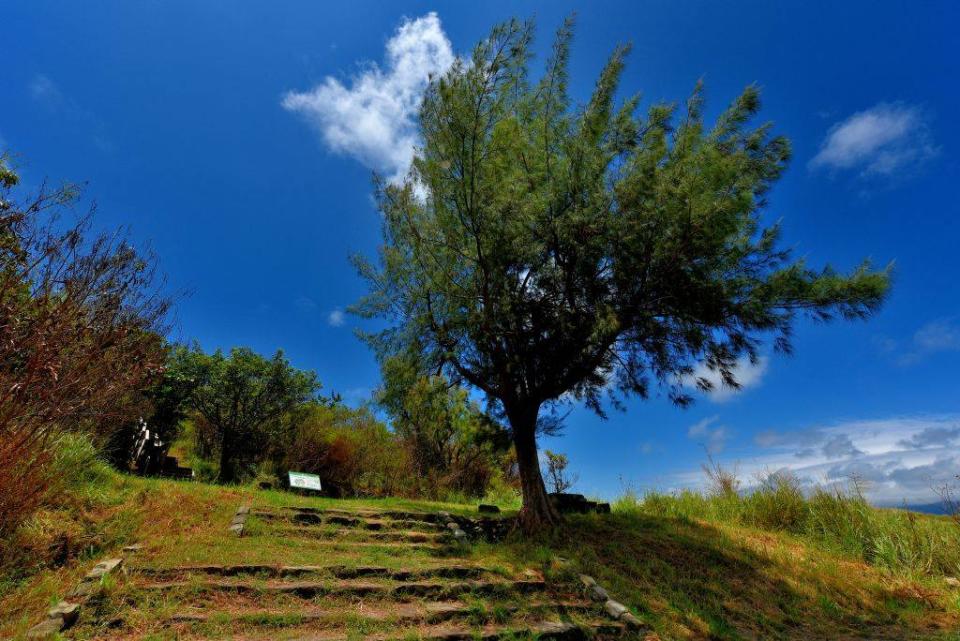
(900, 542)
(773, 566)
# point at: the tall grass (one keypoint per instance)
(838, 519)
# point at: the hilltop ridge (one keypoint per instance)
(326, 569)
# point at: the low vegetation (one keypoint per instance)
(538, 253)
(837, 520)
(691, 566)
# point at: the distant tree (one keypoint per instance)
(541, 252)
(557, 474)
(450, 438)
(240, 397)
(81, 319)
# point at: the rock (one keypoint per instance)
(587, 581)
(631, 621)
(484, 508)
(136, 547)
(66, 611)
(614, 609)
(45, 629)
(452, 526)
(237, 529)
(576, 504)
(444, 516)
(603, 508)
(85, 590)
(243, 509)
(953, 582)
(598, 594)
(103, 568)
(265, 485)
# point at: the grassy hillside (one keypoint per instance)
(689, 573)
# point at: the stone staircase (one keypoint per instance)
(429, 586)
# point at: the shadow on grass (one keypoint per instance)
(691, 580)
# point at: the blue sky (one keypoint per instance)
(238, 139)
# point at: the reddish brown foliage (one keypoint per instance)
(79, 336)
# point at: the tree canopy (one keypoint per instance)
(239, 395)
(542, 251)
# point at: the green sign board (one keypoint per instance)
(305, 481)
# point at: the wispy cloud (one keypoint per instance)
(374, 118)
(900, 458)
(935, 337)
(305, 303)
(336, 318)
(47, 93)
(746, 373)
(883, 140)
(708, 433)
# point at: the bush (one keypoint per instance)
(778, 504)
(60, 529)
(353, 453)
(80, 325)
(839, 519)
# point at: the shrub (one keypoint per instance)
(353, 453)
(80, 481)
(778, 504)
(837, 518)
(80, 319)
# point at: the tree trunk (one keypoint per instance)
(226, 457)
(537, 512)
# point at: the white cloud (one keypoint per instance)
(713, 437)
(744, 372)
(937, 336)
(942, 335)
(880, 141)
(336, 318)
(900, 458)
(46, 92)
(374, 119)
(305, 303)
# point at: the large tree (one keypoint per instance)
(542, 252)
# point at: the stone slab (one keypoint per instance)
(103, 568)
(45, 629)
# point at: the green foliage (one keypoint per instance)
(558, 477)
(452, 444)
(353, 453)
(540, 250)
(239, 400)
(898, 541)
(78, 465)
(77, 520)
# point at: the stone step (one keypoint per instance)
(344, 545)
(428, 612)
(344, 534)
(351, 588)
(360, 522)
(543, 630)
(369, 513)
(335, 571)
